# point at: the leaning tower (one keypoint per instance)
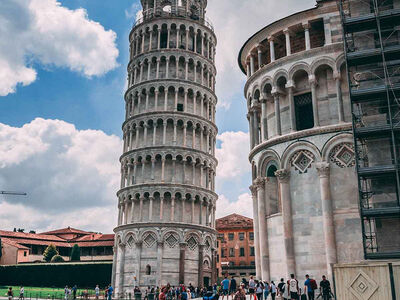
(166, 222)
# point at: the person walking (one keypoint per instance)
(259, 290)
(325, 288)
(10, 294)
(286, 293)
(74, 289)
(241, 293)
(66, 292)
(97, 292)
(273, 290)
(293, 288)
(21, 293)
(281, 287)
(225, 287)
(232, 287)
(110, 291)
(310, 285)
(252, 286)
(266, 290)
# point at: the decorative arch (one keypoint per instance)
(301, 66)
(292, 155)
(278, 74)
(339, 150)
(266, 157)
(321, 62)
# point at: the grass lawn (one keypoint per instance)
(39, 292)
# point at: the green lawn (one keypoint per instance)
(38, 292)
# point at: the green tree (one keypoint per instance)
(76, 253)
(50, 251)
(57, 259)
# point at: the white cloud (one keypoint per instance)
(43, 31)
(235, 21)
(232, 155)
(71, 176)
(242, 206)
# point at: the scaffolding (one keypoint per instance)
(371, 33)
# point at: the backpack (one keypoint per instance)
(313, 284)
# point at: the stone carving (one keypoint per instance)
(131, 241)
(171, 240)
(302, 160)
(192, 243)
(259, 183)
(283, 175)
(323, 169)
(343, 155)
(149, 240)
(362, 286)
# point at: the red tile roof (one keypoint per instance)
(24, 235)
(13, 243)
(66, 230)
(234, 221)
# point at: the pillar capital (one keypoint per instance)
(312, 80)
(336, 75)
(306, 26)
(259, 183)
(253, 190)
(323, 169)
(283, 175)
(271, 38)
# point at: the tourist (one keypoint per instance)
(310, 285)
(225, 287)
(66, 292)
(74, 289)
(162, 295)
(240, 294)
(281, 287)
(259, 290)
(325, 288)
(273, 290)
(252, 286)
(10, 294)
(232, 288)
(110, 291)
(21, 293)
(286, 293)
(97, 291)
(293, 287)
(266, 290)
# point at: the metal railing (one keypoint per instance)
(180, 13)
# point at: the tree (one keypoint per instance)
(50, 251)
(57, 259)
(76, 253)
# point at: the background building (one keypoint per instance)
(166, 225)
(21, 247)
(302, 151)
(236, 253)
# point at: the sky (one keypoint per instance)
(62, 80)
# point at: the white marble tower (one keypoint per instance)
(166, 223)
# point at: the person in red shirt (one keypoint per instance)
(162, 295)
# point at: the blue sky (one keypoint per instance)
(64, 91)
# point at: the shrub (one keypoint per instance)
(57, 259)
(50, 251)
(76, 253)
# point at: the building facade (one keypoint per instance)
(236, 252)
(166, 225)
(22, 247)
(305, 193)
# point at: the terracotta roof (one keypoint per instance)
(42, 242)
(66, 230)
(94, 244)
(13, 243)
(234, 221)
(24, 235)
(94, 237)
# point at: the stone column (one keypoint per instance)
(160, 247)
(264, 120)
(151, 199)
(132, 210)
(339, 96)
(200, 209)
(248, 73)
(271, 48)
(182, 254)
(155, 125)
(141, 210)
(323, 169)
(262, 228)
(167, 67)
(172, 209)
(250, 119)
(284, 187)
(256, 231)
(159, 39)
(151, 40)
(200, 268)
(287, 37)
(162, 169)
(256, 136)
(184, 134)
(138, 258)
(193, 210)
(187, 39)
(313, 83)
(168, 36)
(307, 35)
(292, 110)
(277, 114)
(252, 69)
(114, 267)
(121, 270)
(158, 69)
(259, 56)
(161, 207)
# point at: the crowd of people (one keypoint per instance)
(257, 290)
(287, 290)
